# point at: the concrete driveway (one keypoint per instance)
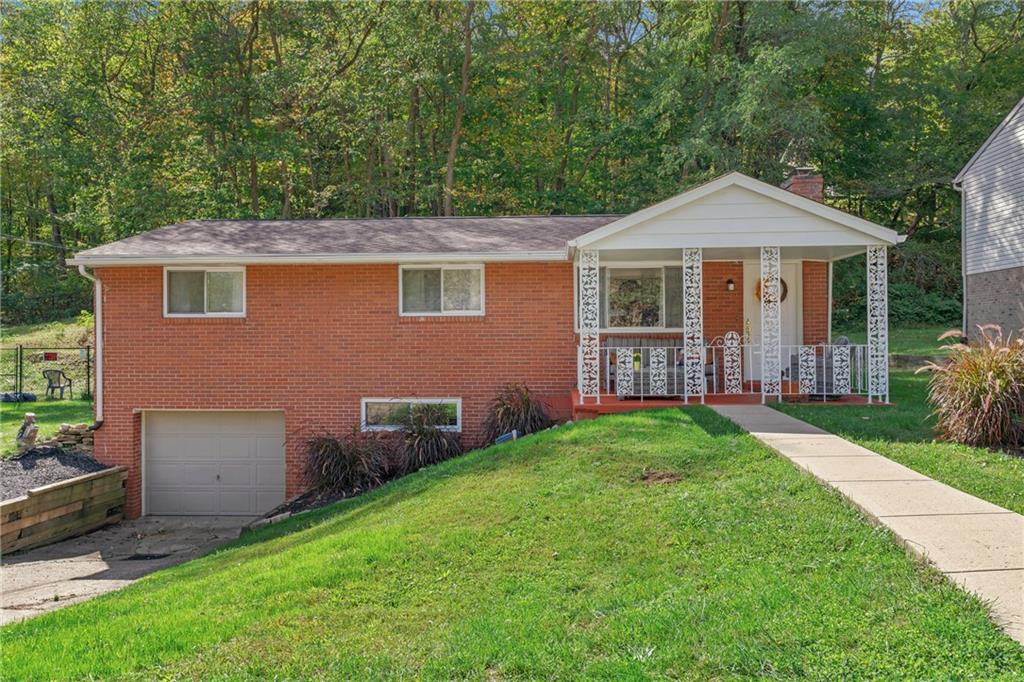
(49, 578)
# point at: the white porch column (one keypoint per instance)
(878, 323)
(590, 323)
(771, 324)
(693, 322)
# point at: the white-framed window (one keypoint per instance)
(640, 297)
(390, 414)
(204, 292)
(440, 290)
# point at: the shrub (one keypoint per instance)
(978, 395)
(357, 461)
(423, 442)
(515, 408)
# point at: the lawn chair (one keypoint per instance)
(56, 380)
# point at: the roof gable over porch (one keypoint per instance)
(737, 211)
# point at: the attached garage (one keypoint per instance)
(213, 463)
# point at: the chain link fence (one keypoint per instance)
(21, 370)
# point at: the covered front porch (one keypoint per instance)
(724, 294)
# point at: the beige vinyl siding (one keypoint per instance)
(993, 195)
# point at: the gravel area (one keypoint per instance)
(40, 466)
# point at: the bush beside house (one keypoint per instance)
(978, 395)
(362, 460)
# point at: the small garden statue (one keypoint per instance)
(26, 437)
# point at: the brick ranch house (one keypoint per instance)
(222, 345)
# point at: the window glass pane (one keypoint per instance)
(421, 291)
(386, 414)
(185, 291)
(224, 292)
(438, 414)
(462, 290)
(397, 413)
(673, 297)
(634, 297)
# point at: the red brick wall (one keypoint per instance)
(317, 339)
(723, 309)
(815, 295)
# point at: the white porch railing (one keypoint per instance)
(645, 368)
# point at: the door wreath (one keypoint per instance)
(783, 290)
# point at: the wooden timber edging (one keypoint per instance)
(62, 510)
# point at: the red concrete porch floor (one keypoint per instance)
(978, 545)
(611, 404)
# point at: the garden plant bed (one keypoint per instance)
(42, 466)
(62, 509)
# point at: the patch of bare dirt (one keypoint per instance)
(655, 477)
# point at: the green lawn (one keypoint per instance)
(55, 333)
(906, 340)
(50, 414)
(546, 558)
(904, 432)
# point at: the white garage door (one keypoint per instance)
(204, 463)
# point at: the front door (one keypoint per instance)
(790, 285)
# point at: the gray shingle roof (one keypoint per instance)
(299, 238)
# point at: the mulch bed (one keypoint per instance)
(42, 466)
(311, 500)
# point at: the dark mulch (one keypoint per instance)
(41, 466)
(654, 477)
(311, 500)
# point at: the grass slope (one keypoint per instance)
(44, 334)
(907, 340)
(905, 433)
(546, 558)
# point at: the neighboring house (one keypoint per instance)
(992, 233)
(223, 345)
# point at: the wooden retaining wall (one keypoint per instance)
(62, 510)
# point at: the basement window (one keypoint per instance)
(204, 292)
(391, 414)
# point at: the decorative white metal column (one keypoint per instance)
(590, 322)
(771, 324)
(878, 323)
(693, 323)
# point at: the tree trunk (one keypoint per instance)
(460, 109)
(254, 187)
(58, 240)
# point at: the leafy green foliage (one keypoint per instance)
(925, 287)
(515, 407)
(978, 394)
(119, 117)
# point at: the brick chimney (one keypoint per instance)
(806, 182)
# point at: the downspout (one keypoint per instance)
(959, 187)
(98, 297)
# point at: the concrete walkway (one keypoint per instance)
(978, 545)
(75, 570)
